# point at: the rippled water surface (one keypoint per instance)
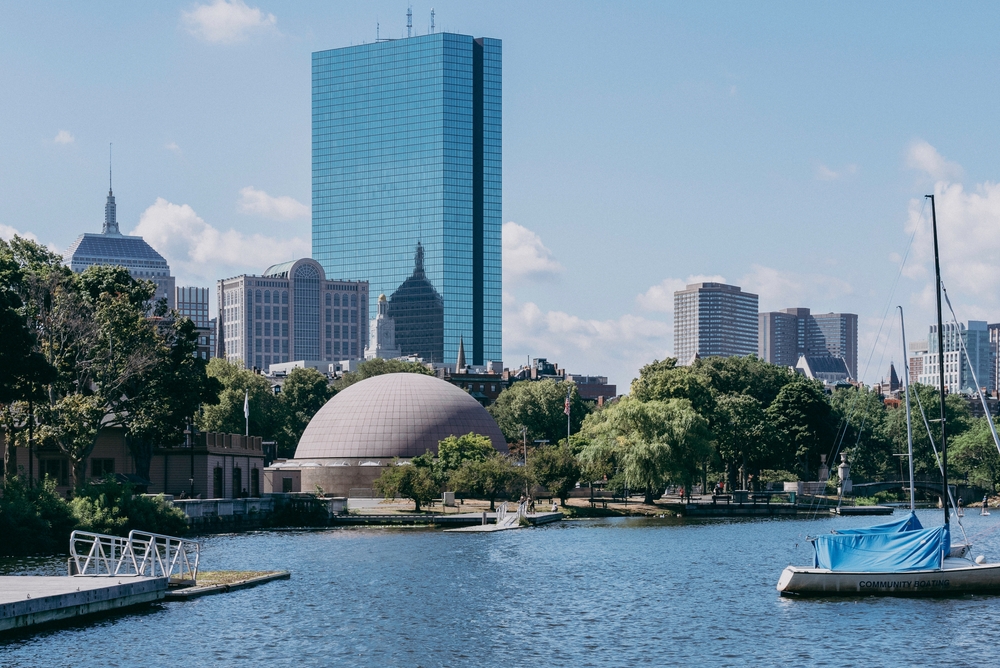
(603, 592)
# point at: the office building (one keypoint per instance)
(790, 333)
(994, 329)
(959, 376)
(915, 358)
(111, 247)
(291, 312)
(714, 320)
(193, 303)
(406, 141)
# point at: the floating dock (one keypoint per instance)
(27, 601)
(447, 520)
(862, 510)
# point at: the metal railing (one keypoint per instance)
(141, 553)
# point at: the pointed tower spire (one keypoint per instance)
(418, 261)
(460, 362)
(110, 213)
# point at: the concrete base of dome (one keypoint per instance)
(338, 477)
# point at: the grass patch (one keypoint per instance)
(209, 578)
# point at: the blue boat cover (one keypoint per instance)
(908, 523)
(921, 549)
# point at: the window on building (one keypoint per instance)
(354, 315)
(336, 300)
(328, 333)
(267, 313)
(260, 362)
(100, 467)
(354, 332)
(284, 329)
(329, 297)
(284, 296)
(56, 469)
(354, 350)
(354, 300)
(345, 316)
(336, 331)
(267, 329)
(329, 314)
(329, 348)
(258, 346)
(259, 297)
(267, 345)
(267, 296)
(336, 315)
(284, 347)
(284, 313)
(336, 347)
(286, 485)
(258, 328)
(260, 313)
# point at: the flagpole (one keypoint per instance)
(246, 410)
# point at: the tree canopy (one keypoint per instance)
(538, 406)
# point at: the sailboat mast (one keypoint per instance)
(906, 396)
(940, 356)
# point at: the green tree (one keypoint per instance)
(555, 468)
(378, 367)
(408, 481)
(958, 417)
(649, 443)
(489, 478)
(110, 507)
(303, 393)
(538, 406)
(664, 380)
(974, 453)
(743, 437)
(862, 418)
(33, 519)
(801, 417)
(227, 416)
(456, 450)
(744, 375)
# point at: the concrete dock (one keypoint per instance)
(27, 601)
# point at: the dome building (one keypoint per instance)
(364, 427)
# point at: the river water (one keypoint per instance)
(612, 592)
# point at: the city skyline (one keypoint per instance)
(786, 152)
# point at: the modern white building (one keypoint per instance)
(111, 247)
(291, 312)
(714, 320)
(958, 374)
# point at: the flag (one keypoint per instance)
(566, 406)
(246, 405)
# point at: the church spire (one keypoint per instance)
(110, 213)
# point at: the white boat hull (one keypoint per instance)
(959, 576)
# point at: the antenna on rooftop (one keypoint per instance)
(432, 20)
(376, 31)
(409, 20)
(109, 166)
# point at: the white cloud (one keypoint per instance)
(200, 253)
(226, 21)
(925, 158)
(660, 297)
(260, 203)
(172, 146)
(779, 289)
(7, 233)
(64, 137)
(525, 256)
(824, 173)
(616, 348)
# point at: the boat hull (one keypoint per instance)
(952, 580)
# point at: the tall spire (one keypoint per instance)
(110, 213)
(418, 261)
(460, 362)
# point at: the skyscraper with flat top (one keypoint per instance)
(407, 164)
(714, 320)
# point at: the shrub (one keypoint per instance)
(33, 520)
(111, 507)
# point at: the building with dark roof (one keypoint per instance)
(831, 371)
(785, 335)
(111, 247)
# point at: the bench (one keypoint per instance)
(720, 497)
(766, 496)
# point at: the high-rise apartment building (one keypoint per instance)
(406, 149)
(994, 330)
(958, 374)
(291, 312)
(714, 320)
(111, 247)
(787, 334)
(915, 358)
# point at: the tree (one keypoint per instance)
(743, 437)
(408, 481)
(649, 443)
(378, 367)
(974, 453)
(489, 478)
(456, 450)
(744, 375)
(227, 416)
(664, 380)
(556, 469)
(862, 418)
(956, 413)
(538, 406)
(303, 393)
(803, 428)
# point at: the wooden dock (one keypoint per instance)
(27, 601)
(446, 520)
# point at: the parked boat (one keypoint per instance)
(899, 558)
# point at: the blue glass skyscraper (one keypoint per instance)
(406, 148)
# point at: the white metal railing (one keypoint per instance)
(141, 553)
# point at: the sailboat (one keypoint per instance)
(900, 558)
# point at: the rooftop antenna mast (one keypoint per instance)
(432, 20)
(376, 32)
(110, 144)
(409, 20)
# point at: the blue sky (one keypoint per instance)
(781, 146)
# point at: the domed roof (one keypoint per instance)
(395, 415)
